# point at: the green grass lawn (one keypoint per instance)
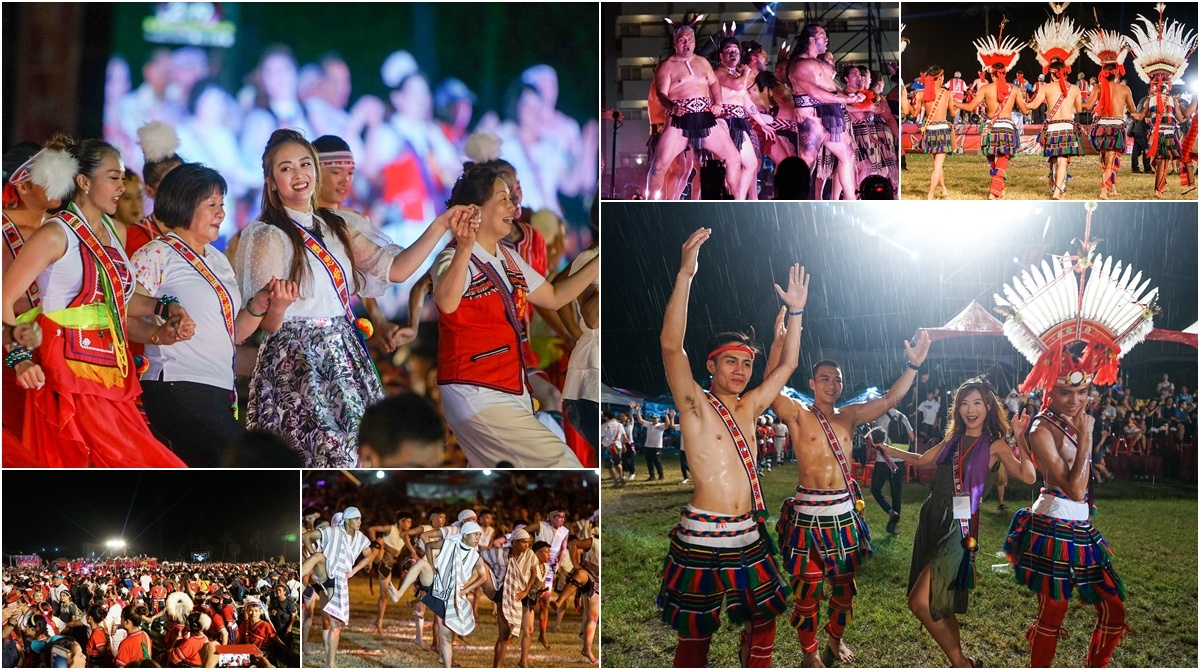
(1151, 527)
(967, 178)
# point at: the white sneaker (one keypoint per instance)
(688, 480)
(393, 593)
(632, 476)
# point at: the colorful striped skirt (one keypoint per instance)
(824, 520)
(1000, 139)
(1108, 134)
(1057, 557)
(937, 138)
(1061, 138)
(716, 560)
(1168, 143)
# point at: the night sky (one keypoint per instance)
(941, 34)
(162, 513)
(868, 294)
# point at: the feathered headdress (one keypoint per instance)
(158, 141)
(676, 27)
(52, 169)
(1161, 50)
(1057, 39)
(1107, 47)
(1085, 299)
(997, 52)
(729, 30)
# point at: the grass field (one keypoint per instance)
(1151, 527)
(362, 647)
(967, 178)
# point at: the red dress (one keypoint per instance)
(86, 414)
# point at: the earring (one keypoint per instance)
(87, 191)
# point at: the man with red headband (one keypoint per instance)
(822, 530)
(1054, 549)
(1160, 57)
(1109, 102)
(937, 135)
(1056, 43)
(1001, 139)
(721, 551)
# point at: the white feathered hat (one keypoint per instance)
(1161, 50)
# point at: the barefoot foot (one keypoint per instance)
(812, 660)
(840, 651)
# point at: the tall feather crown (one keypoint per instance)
(1106, 46)
(1057, 38)
(1087, 298)
(998, 51)
(1161, 50)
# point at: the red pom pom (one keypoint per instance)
(364, 326)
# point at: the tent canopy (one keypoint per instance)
(972, 320)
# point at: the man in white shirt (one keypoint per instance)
(781, 435)
(929, 411)
(612, 437)
(654, 440)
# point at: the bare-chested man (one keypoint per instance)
(1109, 101)
(820, 108)
(688, 88)
(720, 550)
(738, 109)
(937, 135)
(681, 169)
(787, 140)
(1060, 136)
(1160, 55)
(822, 532)
(1054, 548)
(770, 115)
(1001, 140)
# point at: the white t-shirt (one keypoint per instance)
(929, 411)
(611, 432)
(781, 432)
(654, 434)
(583, 368)
(265, 251)
(206, 358)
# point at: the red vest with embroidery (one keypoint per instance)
(477, 343)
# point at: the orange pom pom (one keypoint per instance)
(364, 326)
(859, 505)
(971, 543)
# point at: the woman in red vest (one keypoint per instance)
(483, 292)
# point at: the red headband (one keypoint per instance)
(731, 347)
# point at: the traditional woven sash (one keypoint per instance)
(1054, 110)
(223, 296)
(333, 269)
(12, 237)
(960, 488)
(760, 509)
(197, 263)
(836, 446)
(110, 279)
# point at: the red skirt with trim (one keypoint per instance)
(74, 423)
(16, 454)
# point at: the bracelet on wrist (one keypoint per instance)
(16, 355)
(163, 307)
(250, 308)
(799, 312)
(913, 367)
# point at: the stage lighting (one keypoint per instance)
(115, 544)
(487, 473)
(379, 474)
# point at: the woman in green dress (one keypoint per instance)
(943, 562)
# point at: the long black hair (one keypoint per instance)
(273, 213)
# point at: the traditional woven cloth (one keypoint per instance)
(824, 520)
(739, 125)
(694, 117)
(341, 551)
(1000, 139)
(713, 560)
(1108, 134)
(937, 138)
(455, 565)
(1056, 555)
(516, 579)
(1061, 138)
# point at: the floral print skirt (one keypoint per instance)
(312, 382)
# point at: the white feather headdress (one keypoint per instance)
(1106, 46)
(158, 141)
(52, 169)
(1057, 38)
(1161, 50)
(1047, 314)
